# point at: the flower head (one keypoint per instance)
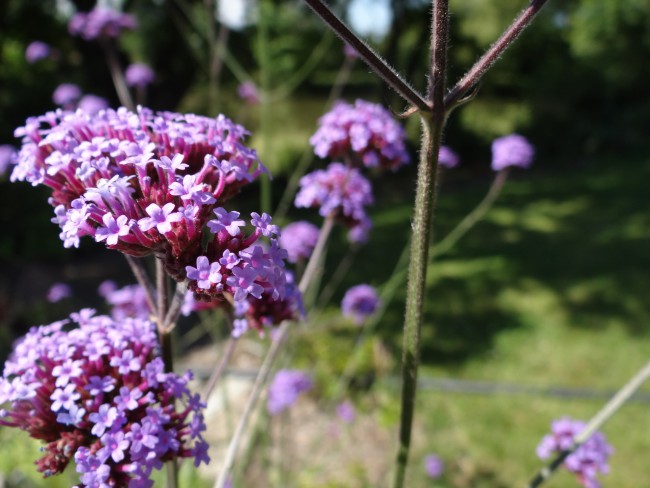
(338, 190)
(101, 22)
(346, 411)
(285, 388)
(365, 131)
(433, 466)
(349, 51)
(96, 392)
(299, 239)
(37, 51)
(66, 95)
(587, 460)
(248, 92)
(92, 104)
(360, 302)
(58, 291)
(512, 150)
(447, 157)
(139, 74)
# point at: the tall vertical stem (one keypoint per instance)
(265, 82)
(425, 200)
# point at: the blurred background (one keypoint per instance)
(540, 311)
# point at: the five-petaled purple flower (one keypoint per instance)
(512, 150)
(205, 274)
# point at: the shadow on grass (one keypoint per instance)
(580, 236)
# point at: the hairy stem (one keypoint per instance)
(492, 55)
(117, 75)
(378, 65)
(597, 421)
(143, 280)
(425, 200)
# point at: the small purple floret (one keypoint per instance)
(512, 150)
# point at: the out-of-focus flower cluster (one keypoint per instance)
(365, 132)
(37, 51)
(587, 461)
(100, 23)
(286, 387)
(299, 239)
(433, 466)
(249, 93)
(512, 150)
(360, 302)
(338, 190)
(154, 183)
(94, 390)
(139, 74)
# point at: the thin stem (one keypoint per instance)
(117, 75)
(493, 53)
(265, 84)
(378, 65)
(221, 367)
(162, 294)
(341, 271)
(174, 310)
(278, 341)
(471, 218)
(144, 281)
(425, 201)
(605, 413)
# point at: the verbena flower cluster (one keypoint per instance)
(101, 22)
(248, 92)
(512, 150)
(587, 461)
(340, 191)
(360, 302)
(36, 51)
(433, 466)
(447, 157)
(299, 239)
(364, 131)
(66, 95)
(94, 390)
(154, 183)
(286, 387)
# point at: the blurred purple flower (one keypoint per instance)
(101, 22)
(346, 411)
(350, 52)
(299, 240)
(447, 157)
(92, 104)
(586, 461)
(248, 92)
(512, 150)
(360, 302)
(139, 74)
(8, 155)
(433, 466)
(365, 132)
(37, 51)
(66, 95)
(358, 234)
(285, 388)
(58, 291)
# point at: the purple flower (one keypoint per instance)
(365, 131)
(586, 461)
(512, 150)
(346, 411)
(285, 388)
(96, 418)
(338, 190)
(349, 51)
(37, 51)
(113, 230)
(447, 157)
(160, 218)
(139, 74)
(360, 302)
(92, 104)
(101, 22)
(66, 95)
(247, 91)
(226, 221)
(58, 291)
(433, 466)
(299, 239)
(206, 274)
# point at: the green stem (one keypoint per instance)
(265, 82)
